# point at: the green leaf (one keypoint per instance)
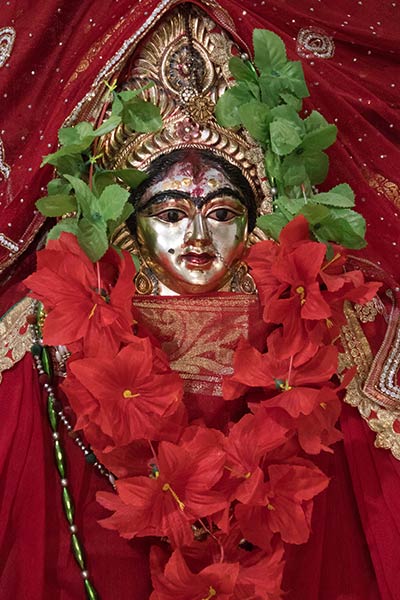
(58, 186)
(290, 114)
(136, 262)
(101, 179)
(272, 224)
(68, 164)
(290, 205)
(85, 197)
(56, 205)
(344, 190)
(126, 213)
(255, 116)
(294, 170)
(314, 213)
(66, 151)
(269, 50)
(340, 225)
(92, 238)
(112, 201)
(242, 70)
(141, 116)
(316, 164)
(121, 98)
(82, 133)
(108, 125)
(128, 95)
(341, 231)
(271, 88)
(315, 121)
(334, 199)
(132, 177)
(293, 76)
(284, 136)
(319, 139)
(292, 100)
(227, 107)
(69, 225)
(273, 165)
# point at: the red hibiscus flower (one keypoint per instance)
(284, 506)
(262, 580)
(67, 283)
(317, 431)
(178, 492)
(290, 291)
(246, 444)
(130, 392)
(177, 582)
(255, 369)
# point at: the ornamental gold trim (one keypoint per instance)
(15, 334)
(385, 422)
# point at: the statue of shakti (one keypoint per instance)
(178, 430)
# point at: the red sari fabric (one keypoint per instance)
(36, 561)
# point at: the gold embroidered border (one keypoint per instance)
(15, 334)
(384, 422)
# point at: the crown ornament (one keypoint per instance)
(185, 61)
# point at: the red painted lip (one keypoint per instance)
(193, 258)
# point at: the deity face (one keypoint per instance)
(192, 228)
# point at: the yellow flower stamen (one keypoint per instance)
(128, 394)
(285, 387)
(236, 474)
(167, 488)
(302, 293)
(92, 311)
(331, 261)
(211, 594)
(323, 405)
(329, 323)
(270, 506)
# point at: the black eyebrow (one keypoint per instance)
(199, 201)
(224, 191)
(165, 195)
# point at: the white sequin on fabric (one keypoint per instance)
(314, 42)
(4, 168)
(7, 38)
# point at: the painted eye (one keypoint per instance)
(171, 216)
(222, 214)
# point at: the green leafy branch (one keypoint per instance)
(91, 200)
(266, 100)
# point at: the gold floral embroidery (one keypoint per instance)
(15, 334)
(384, 186)
(199, 335)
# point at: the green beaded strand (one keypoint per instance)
(43, 356)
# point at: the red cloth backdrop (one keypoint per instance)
(54, 61)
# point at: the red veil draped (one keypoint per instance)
(49, 57)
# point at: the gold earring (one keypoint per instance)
(242, 281)
(146, 282)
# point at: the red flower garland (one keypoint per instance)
(250, 482)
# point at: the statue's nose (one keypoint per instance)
(197, 230)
